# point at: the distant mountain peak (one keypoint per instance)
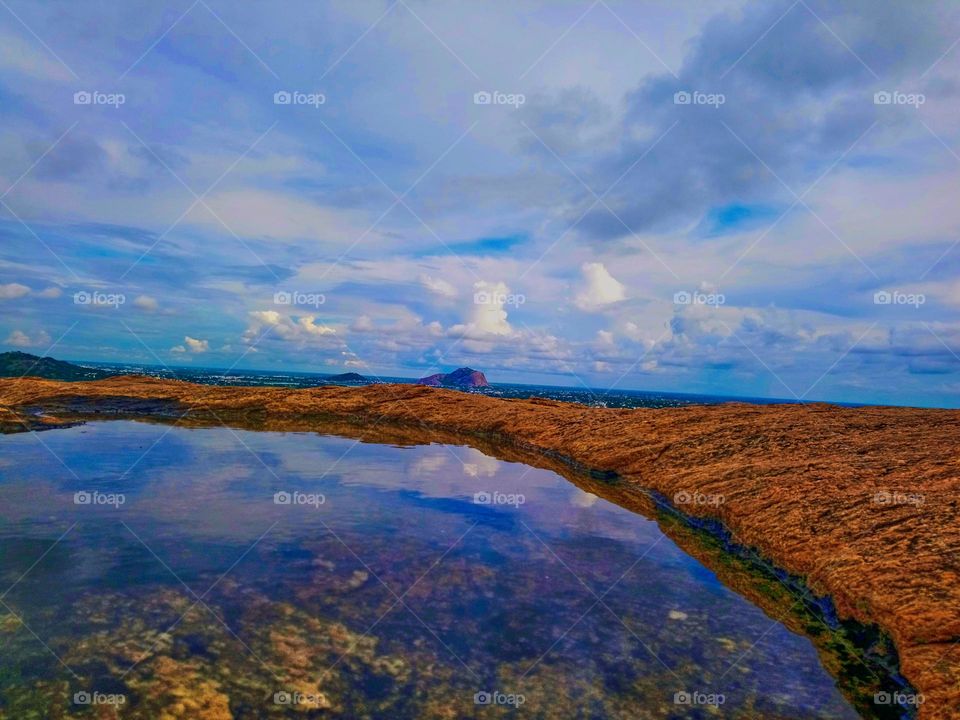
(461, 377)
(19, 364)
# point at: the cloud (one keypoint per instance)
(270, 323)
(196, 346)
(12, 291)
(486, 318)
(438, 286)
(309, 325)
(479, 465)
(283, 217)
(145, 302)
(362, 324)
(795, 95)
(26, 57)
(18, 338)
(600, 288)
(191, 345)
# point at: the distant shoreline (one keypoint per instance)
(194, 374)
(859, 502)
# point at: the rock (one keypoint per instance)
(462, 377)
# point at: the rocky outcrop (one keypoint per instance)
(462, 378)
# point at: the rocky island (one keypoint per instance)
(859, 504)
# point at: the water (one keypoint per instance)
(598, 397)
(382, 590)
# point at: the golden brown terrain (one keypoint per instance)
(862, 503)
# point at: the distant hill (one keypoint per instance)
(462, 377)
(18, 364)
(347, 377)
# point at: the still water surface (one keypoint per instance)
(373, 586)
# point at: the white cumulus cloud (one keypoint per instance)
(191, 345)
(599, 288)
(18, 338)
(487, 316)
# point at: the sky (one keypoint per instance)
(726, 197)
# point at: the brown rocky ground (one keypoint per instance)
(860, 502)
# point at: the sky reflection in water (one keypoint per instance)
(397, 596)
